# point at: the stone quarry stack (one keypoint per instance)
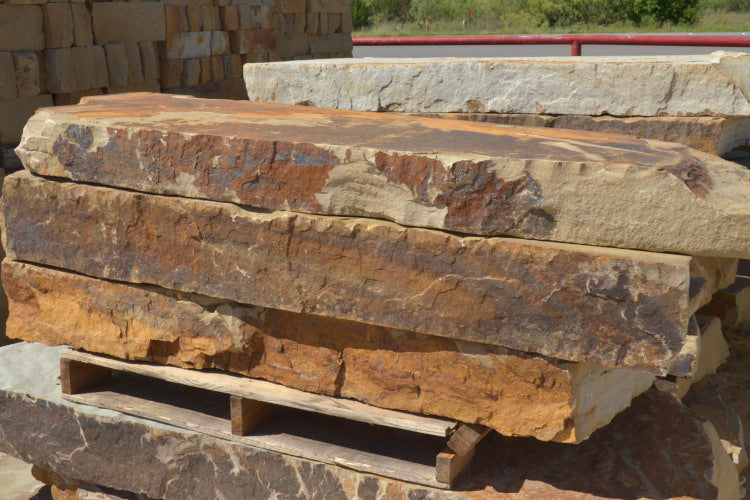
(55, 53)
(533, 281)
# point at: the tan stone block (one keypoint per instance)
(75, 97)
(176, 20)
(82, 34)
(7, 77)
(26, 64)
(313, 24)
(171, 73)
(300, 22)
(100, 74)
(346, 22)
(292, 46)
(135, 69)
(217, 69)
(144, 86)
(149, 60)
(219, 43)
(323, 24)
(195, 17)
(21, 27)
(117, 64)
(206, 75)
(255, 58)
(211, 18)
(334, 23)
(264, 40)
(193, 45)
(58, 25)
(82, 67)
(191, 73)
(230, 18)
(241, 41)
(236, 66)
(15, 113)
(59, 72)
(328, 6)
(294, 6)
(128, 22)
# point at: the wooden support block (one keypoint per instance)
(449, 465)
(466, 437)
(247, 414)
(76, 376)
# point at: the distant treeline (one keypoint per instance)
(541, 13)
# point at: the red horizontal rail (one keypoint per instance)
(574, 40)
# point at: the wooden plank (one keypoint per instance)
(260, 390)
(77, 376)
(466, 437)
(247, 414)
(291, 434)
(449, 465)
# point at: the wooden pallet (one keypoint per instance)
(414, 448)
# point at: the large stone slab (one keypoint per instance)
(716, 135)
(630, 459)
(559, 185)
(705, 85)
(514, 393)
(617, 308)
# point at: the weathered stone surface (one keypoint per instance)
(82, 34)
(27, 73)
(514, 393)
(711, 134)
(560, 185)
(15, 112)
(705, 85)
(21, 27)
(629, 459)
(189, 45)
(611, 307)
(116, 22)
(58, 25)
(7, 77)
(16, 479)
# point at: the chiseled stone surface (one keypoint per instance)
(549, 184)
(514, 393)
(628, 459)
(715, 84)
(615, 308)
(716, 135)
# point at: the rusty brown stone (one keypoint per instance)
(616, 308)
(514, 393)
(549, 184)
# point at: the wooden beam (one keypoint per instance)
(449, 465)
(466, 437)
(247, 414)
(77, 376)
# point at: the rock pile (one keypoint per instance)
(321, 249)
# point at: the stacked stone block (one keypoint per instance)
(57, 52)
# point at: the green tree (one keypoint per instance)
(361, 14)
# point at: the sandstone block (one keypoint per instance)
(16, 112)
(149, 60)
(195, 17)
(211, 18)
(143, 86)
(160, 461)
(72, 98)
(292, 46)
(312, 26)
(217, 69)
(133, 55)
(241, 41)
(294, 6)
(328, 5)
(82, 34)
(711, 134)
(205, 74)
(100, 73)
(21, 27)
(117, 64)
(219, 43)
(334, 23)
(171, 73)
(191, 45)
(191, 73)
(60, 72)
(707, 85)
(346, 22)
(536, 183)
(632, 306)
(116, 22)
(466, 381)
(230, 18)
(83, 67)
(7, 76)
(26, 66)
(175, 19)
(58, 25)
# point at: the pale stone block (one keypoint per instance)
(58, 25)
(26, 66)
(21, 27)
(59, 73)
(82, 67)
(149, 60)
(117, 64)
(193, 45)
(128, 22)
(15, 113)
(219, 43)
(100, 74)
(7, 76)
(82, 34)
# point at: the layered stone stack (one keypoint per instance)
(55, 53)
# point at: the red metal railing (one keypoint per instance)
(575, 41)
